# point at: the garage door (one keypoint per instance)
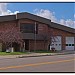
(56, 43)
(69, 43)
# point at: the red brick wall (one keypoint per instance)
(25, 21)
(42, 29)
(7, 25)
(40, 45)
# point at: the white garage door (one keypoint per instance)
(57, 43)
(69, 43)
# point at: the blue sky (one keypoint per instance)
(62, 13)
(62, 10)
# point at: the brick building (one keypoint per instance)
(38, 32)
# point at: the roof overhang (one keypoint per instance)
(36, 19)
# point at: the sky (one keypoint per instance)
(62, 13)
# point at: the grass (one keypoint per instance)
(21, 53)
(13, 53)
(43, 51)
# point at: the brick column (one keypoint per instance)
(63, 43)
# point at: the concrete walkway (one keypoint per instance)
(36, 54)
(26, 55)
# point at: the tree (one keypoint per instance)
(44, 38)
(10, 35)
(51, 37)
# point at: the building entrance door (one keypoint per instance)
(16, 46)
(27, 45)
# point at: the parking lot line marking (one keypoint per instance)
(36, 64)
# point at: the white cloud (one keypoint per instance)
(5, 11)
(62, 21)
(46, 14)
(74, 15)
(16, 12)
(51, 15)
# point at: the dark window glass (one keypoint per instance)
(66, 44)
(59, 44)
(69, 44)
(28, 28)
(56, 44)
(72, 44)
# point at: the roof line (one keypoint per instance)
(36, 18)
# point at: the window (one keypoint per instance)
(66, 44)
(56, 44)
(69, 44)
(59, 44)
(28, 28)
(72, 44)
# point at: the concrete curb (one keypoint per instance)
(44, 55)
(36, 55)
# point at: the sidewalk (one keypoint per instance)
(26, 55)
(36, 55)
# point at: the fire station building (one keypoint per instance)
(39, 33)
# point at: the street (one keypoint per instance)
(57, 63)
